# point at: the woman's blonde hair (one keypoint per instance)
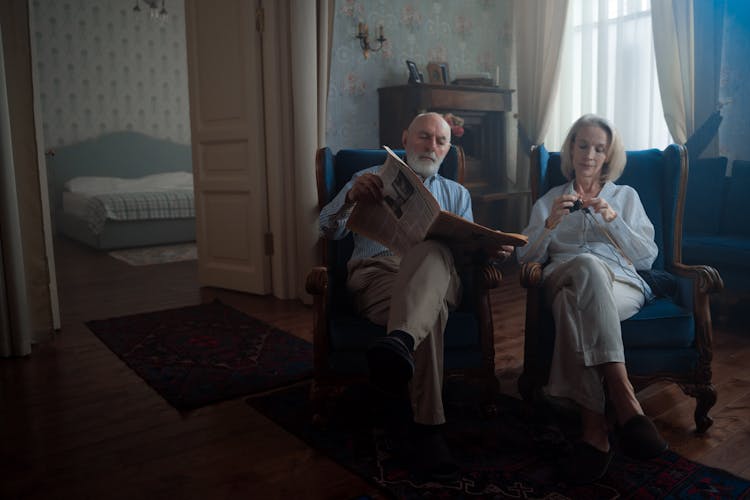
(614, 164)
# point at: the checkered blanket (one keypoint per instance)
(138, 206)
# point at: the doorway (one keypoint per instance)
(102, 67)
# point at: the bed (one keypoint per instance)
(121, 190)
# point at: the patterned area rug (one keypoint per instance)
(163, 254)
(505, 455)
(202, 354)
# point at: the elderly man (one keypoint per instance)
(411, 295)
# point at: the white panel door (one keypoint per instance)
(226, 113)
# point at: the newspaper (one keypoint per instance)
(409, 214)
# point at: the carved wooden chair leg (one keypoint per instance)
(705, 399)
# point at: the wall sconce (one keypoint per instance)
(363, 34)
(155, 12)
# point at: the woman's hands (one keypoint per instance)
(367, 188)
(560, 208)
(563, 204)
(600, 206)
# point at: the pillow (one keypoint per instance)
(160, 182)
(156, 182)
(92, 185)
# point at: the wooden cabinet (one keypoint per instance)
(485, 111)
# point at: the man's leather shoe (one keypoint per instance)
(391, 364)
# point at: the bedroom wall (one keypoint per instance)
(470, 35)
(102, 67)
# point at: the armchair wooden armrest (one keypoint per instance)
(317, 280)
(531, 275)
(706, 278)
(489, 276)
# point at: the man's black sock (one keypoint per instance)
(407, 339)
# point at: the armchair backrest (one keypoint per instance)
(659, 177)
(736, 199)
(707, 187)
(333, 171)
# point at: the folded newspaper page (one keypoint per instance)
(466, 236)
(409, 214)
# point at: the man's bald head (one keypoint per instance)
(427, 141)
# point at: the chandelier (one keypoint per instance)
(156, 13)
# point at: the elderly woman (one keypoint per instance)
(594, 235)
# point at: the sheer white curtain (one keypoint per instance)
(608, 68)
(538, 28)
(296, 55)
(675, 60)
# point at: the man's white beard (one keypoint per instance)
(423, 166)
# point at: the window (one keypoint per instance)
(608, 68)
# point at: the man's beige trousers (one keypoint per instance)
(413, 294)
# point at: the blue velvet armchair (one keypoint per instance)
(341, 337)
(716, 233)
(669, 338)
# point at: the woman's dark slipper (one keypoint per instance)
(586, 464)
(640, 439)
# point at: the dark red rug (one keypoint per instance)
(202, 354)
(506, 455)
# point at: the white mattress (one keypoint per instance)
(156, 182)
(78, 190)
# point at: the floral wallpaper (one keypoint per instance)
(734, 83)
(103, 67)
(472, 36)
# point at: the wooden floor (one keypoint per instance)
(75, 422)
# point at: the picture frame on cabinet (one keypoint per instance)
(437, 73)
(414, 75)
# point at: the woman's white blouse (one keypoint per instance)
(579, 232)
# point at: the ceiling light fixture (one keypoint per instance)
(156, 13)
